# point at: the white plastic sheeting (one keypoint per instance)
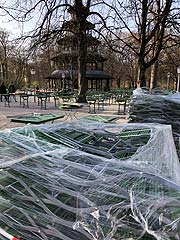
(157, 107)
(87, 180)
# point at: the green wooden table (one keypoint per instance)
(37, 118)
(70, 109)
(101, 118)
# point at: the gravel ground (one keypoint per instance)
(15, 109)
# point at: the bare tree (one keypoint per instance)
(17, 64)
(12, 59)
(52, 21)
(141, 26)
(4, 50)
(147, 23)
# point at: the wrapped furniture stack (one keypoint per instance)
(88, 180)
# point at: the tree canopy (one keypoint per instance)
(144, 28)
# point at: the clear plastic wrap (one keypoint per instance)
(157, 107)
(88, 180)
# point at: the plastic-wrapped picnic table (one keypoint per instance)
(89, 180)
(157, 106)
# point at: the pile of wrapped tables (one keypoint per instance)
(157, 107)
(89, 181)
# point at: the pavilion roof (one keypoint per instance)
(90, 74)
(91, 56)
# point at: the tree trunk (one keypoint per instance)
(118, 82)
(141, 76)
(82, 81)
(154, 78)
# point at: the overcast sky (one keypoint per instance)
(13, 26)
(10, 26)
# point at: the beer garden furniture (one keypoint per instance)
(36, 118)
(70, 109)
(101, 118)
(24, 100)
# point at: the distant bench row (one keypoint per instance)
(41, 99)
